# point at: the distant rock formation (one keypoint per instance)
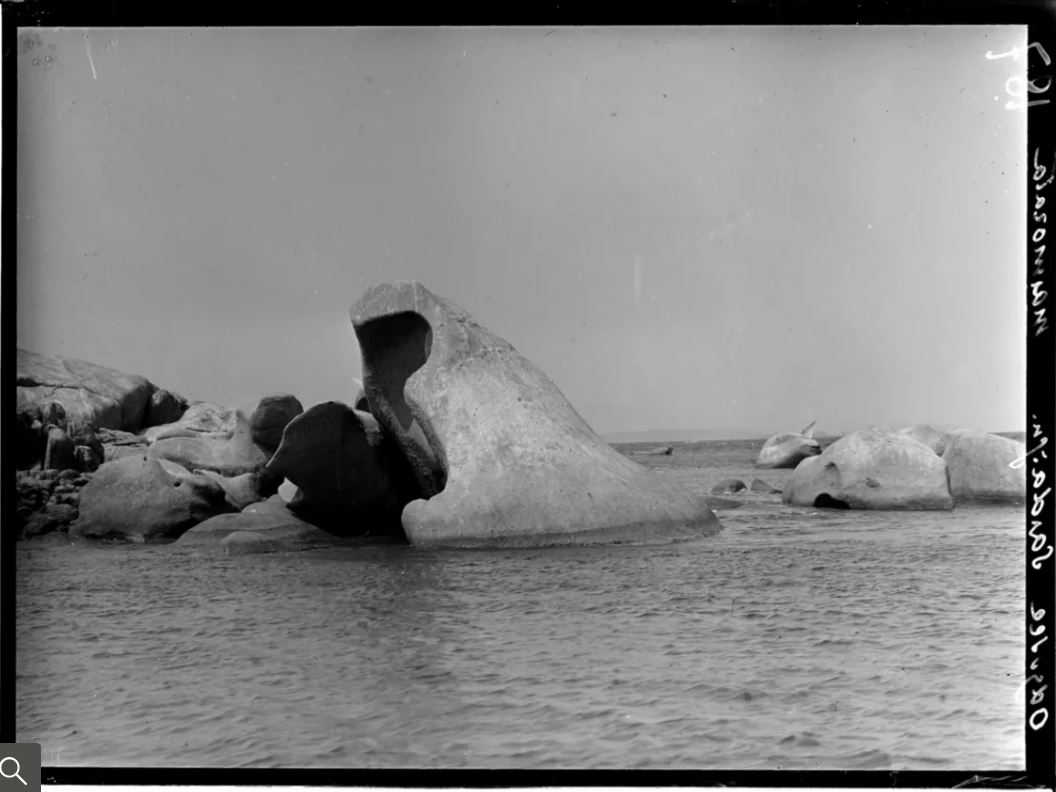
(788, 450)
(500, 455)
(872, 468)
(980, 468)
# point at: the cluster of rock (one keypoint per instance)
(919, 467)
(107, 455)
(455, 440)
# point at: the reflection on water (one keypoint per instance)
(798, 638)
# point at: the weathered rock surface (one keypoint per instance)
(503, 457)
(141, 499)
(788, 450)
(268, 526)
(872, 468)
(980, 469)
(271, 416)
(200, 419)
(228, 456)
(351, 478)
(58, 453)
(726, 486)
(164, 407)
(247, 489)
(931, 436)
(87, 393)
(758, 485)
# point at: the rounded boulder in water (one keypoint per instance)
(872, 468)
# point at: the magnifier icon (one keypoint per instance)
(15, 774)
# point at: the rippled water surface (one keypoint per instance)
(798, 638)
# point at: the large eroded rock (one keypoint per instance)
(788, 450)
(980, 468)
(503, 457)
(872, 468)
(140, 499)
(351, 478)
(89, 394)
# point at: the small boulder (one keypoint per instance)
(758, 485)
(727, 486)
(53, 517)
(788, 450)
(141, 499)
(59, 452)
(165, 407)
(271, 417)
(54, 414)
(980, 468)
(664, 450)
(872, 468)
(86, 459)
(246, 489)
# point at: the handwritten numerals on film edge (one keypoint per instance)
(1019, 87)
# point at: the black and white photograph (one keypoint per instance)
(538, 397)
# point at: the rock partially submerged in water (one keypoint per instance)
(141, 499)
(788, 450)
(265, 527)
(872, 468)
(500, 455)
(727, 486)
(980, 467)
(351, 478)
(758, 485)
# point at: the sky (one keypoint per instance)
(739, 229)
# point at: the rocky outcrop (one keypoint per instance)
(500, 455)
(227, 455)
(871, 468)
(788, 450)
(351, 478)
(141, 499)
(87, 393)
(270, 418)
(980, 468)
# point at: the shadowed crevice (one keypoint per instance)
(393, 348)
(826, 501)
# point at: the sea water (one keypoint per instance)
(798, 638)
